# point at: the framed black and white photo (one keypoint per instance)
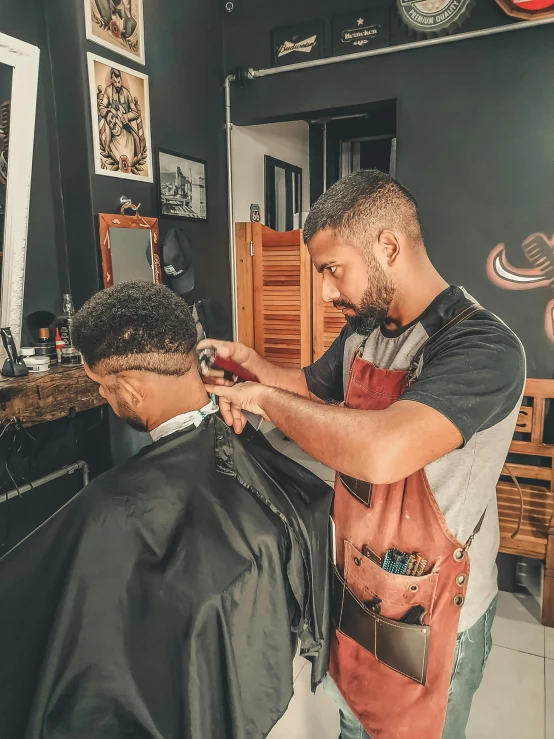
(300, 43)
(182, 186)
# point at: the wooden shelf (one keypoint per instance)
(42, 397)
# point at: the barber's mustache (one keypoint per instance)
(344, 304)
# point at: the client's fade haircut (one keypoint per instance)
(362, 205)
(136, 326)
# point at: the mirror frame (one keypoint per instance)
(24, 60)
(112, 220)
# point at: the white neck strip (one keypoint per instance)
(182, 421)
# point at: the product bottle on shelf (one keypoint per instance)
(60, 343)
(45, 346)
(43, 336)
(66, 319)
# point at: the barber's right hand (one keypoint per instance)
(239, 353)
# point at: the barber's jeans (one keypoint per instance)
(472, 650)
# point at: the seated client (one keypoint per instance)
(167, 598)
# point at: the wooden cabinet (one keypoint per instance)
(525, 491)
(280, 310)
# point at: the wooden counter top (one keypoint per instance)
(47, 396)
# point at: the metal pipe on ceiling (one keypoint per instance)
(259, 73)
(255, 73)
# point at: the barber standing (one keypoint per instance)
(414, 405)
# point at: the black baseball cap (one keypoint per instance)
(177, 261)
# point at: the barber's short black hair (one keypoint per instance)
(136, 326)
(115, 72)
(361, 205)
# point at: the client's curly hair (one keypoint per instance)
(136, 326)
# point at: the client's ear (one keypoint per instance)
(132, 390)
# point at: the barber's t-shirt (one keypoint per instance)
(474, 374)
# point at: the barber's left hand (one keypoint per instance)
(233, 400)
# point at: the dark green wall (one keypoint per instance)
(184, 64)
(46, 272)
(475, 138)
(185, 67)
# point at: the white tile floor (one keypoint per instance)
(516, 699)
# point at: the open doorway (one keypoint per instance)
(348, 139)
(283, 168)
(271, 169)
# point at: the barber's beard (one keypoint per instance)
(127, 414)
(374, 306)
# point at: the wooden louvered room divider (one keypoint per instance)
(280, 310)
(327, 320)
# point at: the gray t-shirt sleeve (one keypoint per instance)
(474, 375)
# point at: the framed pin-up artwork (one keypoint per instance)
(120, 109)
(118, 25)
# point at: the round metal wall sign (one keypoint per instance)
(433, 17)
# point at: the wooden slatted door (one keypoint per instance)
(244, 246)
(280, 309)
(327, 320)
(282, 297)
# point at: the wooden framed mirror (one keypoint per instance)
(130, 247)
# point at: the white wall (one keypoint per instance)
(286, 141)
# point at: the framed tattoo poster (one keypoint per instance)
(120, 110)
(118, 25)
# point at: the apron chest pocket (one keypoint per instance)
(396, 593)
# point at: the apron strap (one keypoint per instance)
(360, 350)
(416, 365)
(476, 530)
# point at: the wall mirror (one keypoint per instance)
(19, 64)
(130, 247)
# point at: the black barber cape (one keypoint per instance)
(165, 601)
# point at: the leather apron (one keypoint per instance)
(394, 676)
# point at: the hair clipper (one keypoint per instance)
(208, 358)
(14, 366)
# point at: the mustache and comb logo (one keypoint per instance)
(539, 251)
